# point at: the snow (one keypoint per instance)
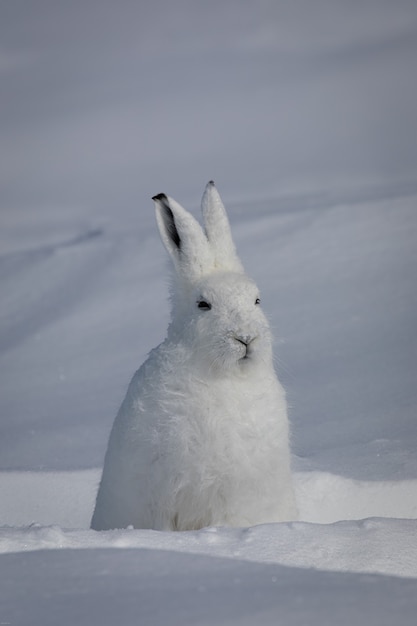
(155, 587)
(353, 406)
(322, 195)
(61, 505)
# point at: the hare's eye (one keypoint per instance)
(204, 305)
(258, 301)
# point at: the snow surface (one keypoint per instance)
(312, 145)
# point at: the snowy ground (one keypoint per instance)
(349, 364)
(83, 299)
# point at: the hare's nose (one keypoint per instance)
(245, 339)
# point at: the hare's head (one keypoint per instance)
(216, 307)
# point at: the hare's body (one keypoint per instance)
(201, 438)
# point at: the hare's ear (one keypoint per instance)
(218, 231)
(183, 238)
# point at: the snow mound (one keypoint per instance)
(157, 587)
(54, 511)
(383, 546)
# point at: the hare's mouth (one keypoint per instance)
(245, 344)
(246, 356)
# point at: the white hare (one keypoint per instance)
(201, 438)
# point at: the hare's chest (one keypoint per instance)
(223, 426)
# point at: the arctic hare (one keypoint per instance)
(201, 438)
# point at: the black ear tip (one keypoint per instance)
(168, 218)
(161, 197)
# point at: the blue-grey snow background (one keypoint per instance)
(305, 114)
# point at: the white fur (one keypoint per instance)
(201, 438)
